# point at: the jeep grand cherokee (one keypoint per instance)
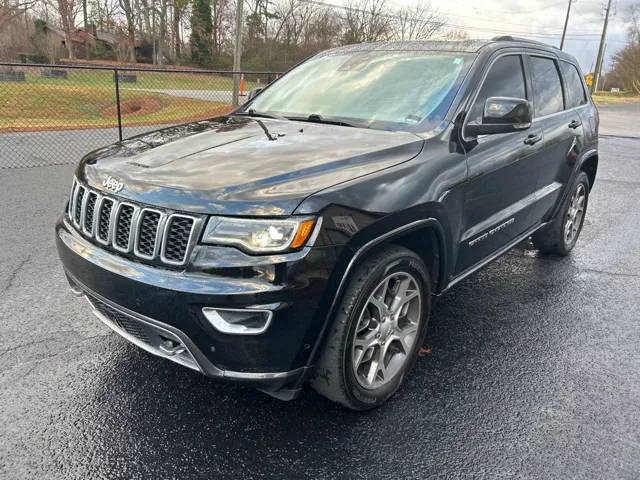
(303, 237)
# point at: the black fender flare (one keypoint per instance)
(360, 249)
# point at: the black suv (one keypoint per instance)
(303, 237)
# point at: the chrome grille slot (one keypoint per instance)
(89, 211)
(147, 238)
(127, 227)
(77, 207)
(122, 233)
(70, 206)
(177, 238)
(104, 220)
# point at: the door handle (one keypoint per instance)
(532, 139)
(575, 124)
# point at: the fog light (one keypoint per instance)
(238, 322)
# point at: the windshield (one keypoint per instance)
(396, 90)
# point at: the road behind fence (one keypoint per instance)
(54, 114)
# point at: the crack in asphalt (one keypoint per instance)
(605, 272)
(14, 273)
(70, 346)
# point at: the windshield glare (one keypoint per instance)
(390, 90)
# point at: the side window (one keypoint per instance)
(547, 89)
(573, 85)
(505, 79)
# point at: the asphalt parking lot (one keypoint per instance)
(533, 370)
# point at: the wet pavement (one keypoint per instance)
(620, 119)
(533, 371)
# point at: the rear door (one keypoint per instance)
(503, 170)
(561, 127)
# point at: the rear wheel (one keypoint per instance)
(561, 235)
(377, 331)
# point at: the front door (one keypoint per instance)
(503, 172)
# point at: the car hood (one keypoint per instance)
(230, 166)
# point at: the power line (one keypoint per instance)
(501, 23)
(453, 25)
(518, 12)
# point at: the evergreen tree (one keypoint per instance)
(201, 28)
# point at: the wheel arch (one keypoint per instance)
(590, 167)
(408, 235)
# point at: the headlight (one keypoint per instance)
(257, 235)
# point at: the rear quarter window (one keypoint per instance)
(547, 88)
(574, 88)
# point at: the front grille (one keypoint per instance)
(178, 234)
(131, 229)
(78, 206)
(104, 219)
(88, 216)
(148, 232)
(123, 226)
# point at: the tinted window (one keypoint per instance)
(505, 79)
(547, 89)
(573, 85)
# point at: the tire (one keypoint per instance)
(344, 371)
(555, 238)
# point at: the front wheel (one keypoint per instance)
(377, 331)
(561, 235)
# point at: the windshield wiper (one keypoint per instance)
(253, 113)
(317, 118)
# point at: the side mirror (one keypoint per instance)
(253, 93)
(502, 115)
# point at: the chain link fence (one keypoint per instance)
(54, 114)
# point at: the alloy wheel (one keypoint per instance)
(387, 329)
(575, 214)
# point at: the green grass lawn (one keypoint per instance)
(58, 106)
(155, 80)
(602, 97)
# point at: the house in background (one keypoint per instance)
(91, 44)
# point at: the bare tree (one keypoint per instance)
(65, 10)
(103, 13)
(634, 29)
(127, 8)
(418, 21)
(366, 21)
(10, 11)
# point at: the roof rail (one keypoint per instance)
(509, 38)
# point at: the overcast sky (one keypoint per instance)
(540, 20)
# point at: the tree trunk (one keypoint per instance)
(65, 8)
(145, 16)
(176, 31)
(131, 28)
(127, 6)
(163, 31)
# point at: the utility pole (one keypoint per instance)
(604, 53)
(84, 15)
(237, 54)
(566, 22)
(601, 49)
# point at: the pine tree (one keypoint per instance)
(201, 28)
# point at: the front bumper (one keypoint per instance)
(148, 305)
